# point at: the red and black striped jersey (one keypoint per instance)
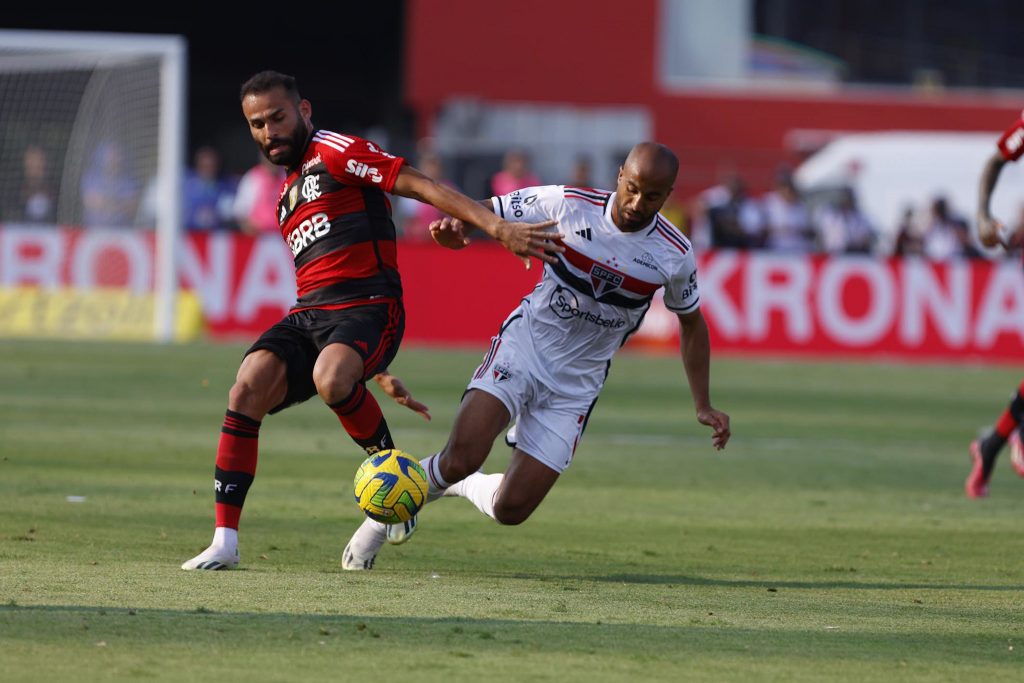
(336, 219)
(1011, 142)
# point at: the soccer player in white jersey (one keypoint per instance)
(548, 363)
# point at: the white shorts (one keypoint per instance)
(548, 424)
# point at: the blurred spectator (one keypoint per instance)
(908, 237)
(110, 193)
(37, 197)
(514, 175)
(581, 173)
(945, 237)
(733, 219)
(256, 202)
(208, 197)
(788, 225)
(842, 228)
(419, 215)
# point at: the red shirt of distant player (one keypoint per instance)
(1011, 143)
(336, 219)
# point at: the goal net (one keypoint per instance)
(92, 132)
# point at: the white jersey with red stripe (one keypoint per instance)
(588, 303)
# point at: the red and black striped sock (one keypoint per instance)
(236, 466)
(1007, 422)
(362, 418)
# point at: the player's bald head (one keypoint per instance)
(645, 182)
(652, 161)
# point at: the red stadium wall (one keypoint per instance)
(530, 50)
(566, 52)
(755, 303)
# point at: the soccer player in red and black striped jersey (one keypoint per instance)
(348, 319)
(991, 233)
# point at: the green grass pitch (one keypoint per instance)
(830, 541)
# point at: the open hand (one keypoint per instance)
(718, 421)
(395, 388)
(530, 239)
(992, 232)
(988, 231)
(449, 233)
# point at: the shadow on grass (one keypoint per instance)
(700, 635)
(766, 584)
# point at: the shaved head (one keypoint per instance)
(653, 159)
(645, 182)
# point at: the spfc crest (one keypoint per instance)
(604, 280)
(501, 373)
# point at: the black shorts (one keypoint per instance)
(373, 330)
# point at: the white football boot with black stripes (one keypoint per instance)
(400, 533)
(212, 559)
(369, 538)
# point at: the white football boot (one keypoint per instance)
(212, 559)
(364, 545)
(400, 533)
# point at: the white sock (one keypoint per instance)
(226, 538)
(436, 484)
(368, 538)
(479, 489)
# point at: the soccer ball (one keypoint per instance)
(390, 486)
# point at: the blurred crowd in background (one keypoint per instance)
(785, 219)
(726, 216)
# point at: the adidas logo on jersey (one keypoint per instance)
(585, 234)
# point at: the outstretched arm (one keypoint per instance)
(696, 351)
(990, 231)
(451, 232)
(522, 239)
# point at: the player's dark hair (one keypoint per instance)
(265, 81)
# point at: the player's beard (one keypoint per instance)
(634, 222)
(290, 155)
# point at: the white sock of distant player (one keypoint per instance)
(479, 489)
(436, 484)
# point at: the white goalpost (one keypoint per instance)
(103, 116)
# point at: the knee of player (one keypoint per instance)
(333, 387)
(510, 516)
(242, 394)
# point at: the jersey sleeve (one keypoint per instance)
(355, 161)
(681, 292)
(530, 204)
(1011, 143)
